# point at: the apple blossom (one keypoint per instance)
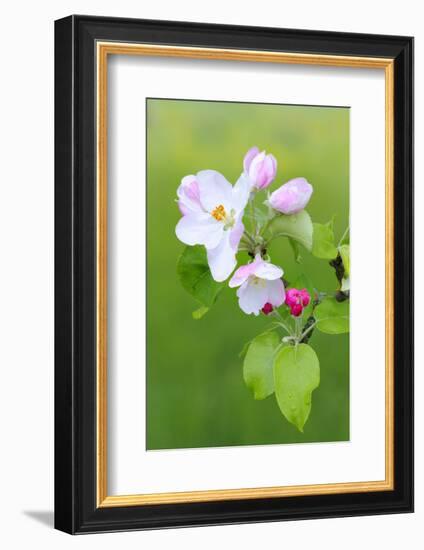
(292, 197)
(260, 168)
(212, 216)
(260, 283)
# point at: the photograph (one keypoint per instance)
(248, 274)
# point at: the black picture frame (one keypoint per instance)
(76, 510)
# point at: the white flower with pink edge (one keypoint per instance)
(212, 211)
(259, 283)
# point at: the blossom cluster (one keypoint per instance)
(212, 215)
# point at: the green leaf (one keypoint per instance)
(243, 351)
(296, 250)
(295, 226)
(296, 376)
(195, 276)
(344, 251)
(332, 316)
(258, 364)
(323, 242)
(198, 314)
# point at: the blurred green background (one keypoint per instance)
(196, 396)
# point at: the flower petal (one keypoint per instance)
(276, 292)
(241, 193)
(242, 274)
(222, 258)
(268, 172)
(236, 234)
(262, 170)
(292, 197)
(249, 156)
(199, 228)
(252, 297)
(214, 190)
(268, 271)
(188, 196)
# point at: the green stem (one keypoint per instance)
(281, 322)
(343, 236)
(249, 236)
(307, 331)
(252, 215)
(265, 227)
(283, 326)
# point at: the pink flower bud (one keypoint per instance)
(297, 300)
(304, 295)
(292, 197)
(291, 296)
(260, 167)
(267, 309)
(296, 310)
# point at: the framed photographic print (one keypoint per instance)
(234, 274)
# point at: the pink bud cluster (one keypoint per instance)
(297, 300)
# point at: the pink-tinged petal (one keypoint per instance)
(188, 196)
(292, 197)
(270, 170)
(252, 297)
(191, 189)
(183, 209)
(222, 259)
(200, 228)
(242, 274)
(276, 292)
(272, 166)
(268, 271)
(262, 170)
(261, 176)
(249, 156)
(236, 234)
(214, 190)
(256, 166)
(241, 193)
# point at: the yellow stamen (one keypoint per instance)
(258, 281)
(219, 213)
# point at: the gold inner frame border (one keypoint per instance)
(103, 50)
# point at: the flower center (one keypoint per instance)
(219, 213)
(258, 281)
